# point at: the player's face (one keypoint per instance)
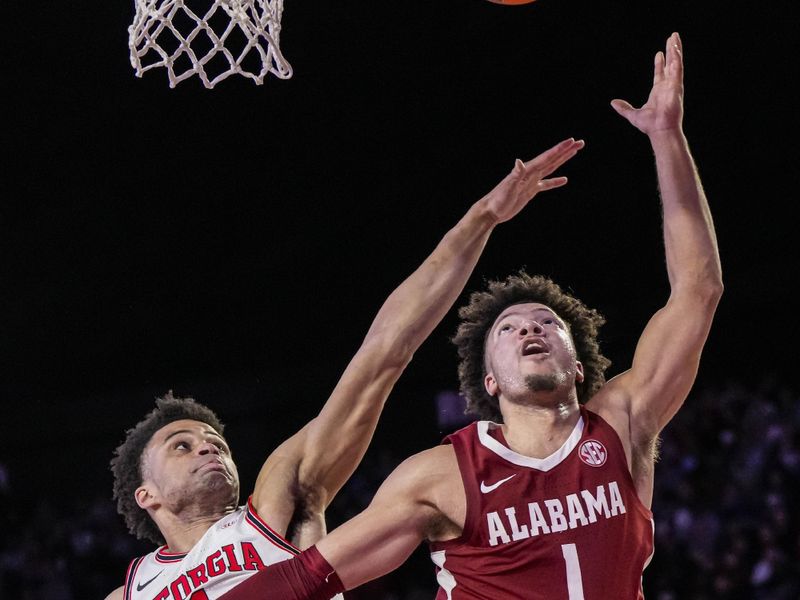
(529, 348)
(188, 463)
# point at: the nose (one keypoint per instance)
(207, 448)
(529, 327)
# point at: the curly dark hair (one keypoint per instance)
(478, 316)
(126, 465)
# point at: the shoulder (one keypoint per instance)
(422, 472)
(425, 489)
(431, 477)
(141, 568)
(466, 433)
(433, 462)
(117, 594)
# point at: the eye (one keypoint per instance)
(548, 321)
(181, 445)
(505, 328)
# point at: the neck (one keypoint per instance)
(538, 430)
(182, 531)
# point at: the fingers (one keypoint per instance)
(674, 58)
(670, 62)
(564, 151)
(658, 67)
(553, 153)
(556, 156)
(622, 107)
(549, 184)
(674, 45)
(530, 175)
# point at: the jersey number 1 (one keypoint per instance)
(574, 581)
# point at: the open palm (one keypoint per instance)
(664, 107)
(528, 179)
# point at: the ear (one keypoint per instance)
(144, 498)
(579, 372)
(490, 384)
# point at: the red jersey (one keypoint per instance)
(566, 527)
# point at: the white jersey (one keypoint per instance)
(232, 549)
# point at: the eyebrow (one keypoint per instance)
(516, 313)
(189, 431)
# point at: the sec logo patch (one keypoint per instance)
(593, 453)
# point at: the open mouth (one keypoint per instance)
(533, 347)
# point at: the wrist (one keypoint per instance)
(666, 137)
(668, 142)
(482, 213)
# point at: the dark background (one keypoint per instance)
(234, 244)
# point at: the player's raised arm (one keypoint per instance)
(325, 452)
(667, 356)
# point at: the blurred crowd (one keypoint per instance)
(727, 496)
(726, 504)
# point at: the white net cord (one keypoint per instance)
(231, 37)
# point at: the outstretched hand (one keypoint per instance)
(528, 179)
(664, 107)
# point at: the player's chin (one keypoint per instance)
(217, 492)
(219, 480)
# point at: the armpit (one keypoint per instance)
(441, 528)
(644, 457)
(309, 510)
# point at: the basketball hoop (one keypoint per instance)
(212, 39)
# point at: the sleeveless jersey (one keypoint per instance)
(566, 527)
(233, 549)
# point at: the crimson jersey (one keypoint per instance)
(566, 527)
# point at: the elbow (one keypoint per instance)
(395, 346)
(705, 285)
(699, 296)
(714, 288)
(709, 280)
(398, 359)
(709, 294)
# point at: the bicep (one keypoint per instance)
(336, 439)
(276, 492)
(331, 445)
(383, 536)
(305, 471)
(371, 544)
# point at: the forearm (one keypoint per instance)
(690, 242)
(306, 577)
(337, 439)
(367, 546)
(414, 309)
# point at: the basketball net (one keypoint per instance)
(212, 39)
